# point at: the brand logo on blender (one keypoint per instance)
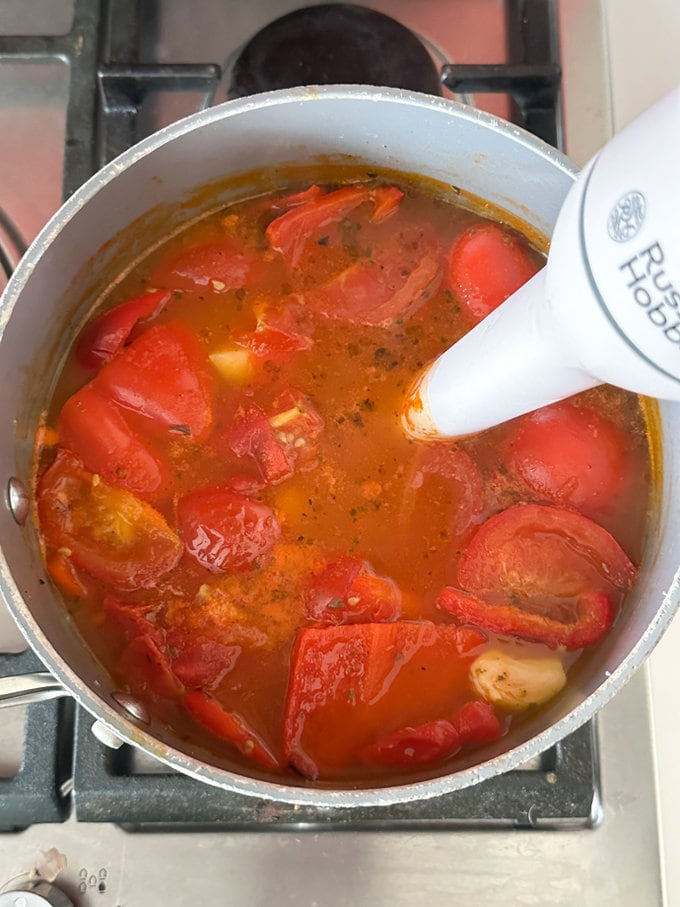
(627, 216)
(653, 290)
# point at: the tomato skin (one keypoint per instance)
(297, 198)
(415, 745)
(110, 533)
(224, 530)
(453, 464)
(594, 617)
(96, 431)
(288, 234)
(570, 455)
(349, 591)
(512, 542)
(352, 684)
(162, 376)
(101, 340)
(230, 727)
(487, 264)
(392, 285)
(217, 266)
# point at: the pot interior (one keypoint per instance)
(200, 164)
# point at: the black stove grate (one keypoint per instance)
(40, 791)
(559, 791)
(108, 87)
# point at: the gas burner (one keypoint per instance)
(334, 44)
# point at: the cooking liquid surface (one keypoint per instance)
(362, 488)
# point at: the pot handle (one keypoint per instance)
(23, 689)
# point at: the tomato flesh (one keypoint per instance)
(108, 531)
(352, 685)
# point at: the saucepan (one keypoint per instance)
(198, 164)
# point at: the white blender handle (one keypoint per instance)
(606, 308)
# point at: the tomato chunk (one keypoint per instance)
(571, 455)
(250, 434)
(201, 662)
(543, 573)
(477, 722)
(217, 266)
(390, 285)
(289, 233)
(487, 264)
(415, 745)
(108, 532)
(129, 620)
(102, 339)
(297, 198)
(349, 591)
(296, 424)
(230, 727)
(95, 429)
(352, 685)
(272, 344)
(61, 569)
(146, 668)
(224, 530)
(162, 376)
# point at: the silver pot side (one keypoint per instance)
(66, 269)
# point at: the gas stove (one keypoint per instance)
(79, 82)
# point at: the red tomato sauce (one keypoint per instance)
(250, 544)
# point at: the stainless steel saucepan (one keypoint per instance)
(191, 167)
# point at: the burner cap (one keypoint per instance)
(334, 44)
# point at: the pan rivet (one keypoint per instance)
(18, 500)
(134, 708)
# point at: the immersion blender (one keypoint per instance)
(604, 309)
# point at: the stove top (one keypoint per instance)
(79, 82)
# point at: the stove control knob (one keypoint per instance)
(42, 894)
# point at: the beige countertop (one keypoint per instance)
(644, 61)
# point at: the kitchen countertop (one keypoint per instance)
(644, 64)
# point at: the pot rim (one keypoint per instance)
(134, 734)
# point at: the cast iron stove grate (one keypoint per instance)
(109, 85)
